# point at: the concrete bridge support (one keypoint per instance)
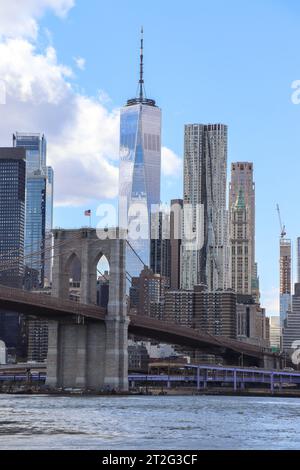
(75, 355)
(90, 355)
(80, 356)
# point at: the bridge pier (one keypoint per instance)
(52, 357)
(91, 355)
(81, 352)
(87, 356)
(116, 355)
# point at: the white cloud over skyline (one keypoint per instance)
(20, 18)
(82, 134)
(80, 62)
(171, 164)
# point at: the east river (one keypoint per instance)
(146, 422)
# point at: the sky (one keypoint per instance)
(67, 66)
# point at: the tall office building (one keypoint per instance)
(166, 237)
(39, 209)
(12, 216)
(205, 173)
(160, 249)
(215, 312)
(275, 333)
(285, 278)
(179, 307)
(244, 278)
(252, 323)
(35, 225)
(147, 289)
(241, 247)
(139, 173)
(38, 235)
(49, 227)
(298, 259)
(175, 242)
(291, 327)
(208, 312)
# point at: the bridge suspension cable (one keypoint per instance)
(34, 254)
(45, 259)
(103, 275)
(3, 255)
(136, 254)
(10, 264)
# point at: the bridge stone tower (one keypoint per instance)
(85, 353)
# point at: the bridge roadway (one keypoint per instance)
(41, 305)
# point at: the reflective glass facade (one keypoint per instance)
(139, 176)
(39, 209)
(12, 214)
(49, 225)
(36, 148)
(12, 219)
(35, 228)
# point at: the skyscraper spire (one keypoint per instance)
(141, 82)
(140, 97)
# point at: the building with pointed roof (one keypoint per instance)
(244, 279)
(139, 171)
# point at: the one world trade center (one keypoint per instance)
(139, 174)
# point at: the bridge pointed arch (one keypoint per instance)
(103, 271)
(99, 274)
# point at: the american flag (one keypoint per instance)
(88, 212)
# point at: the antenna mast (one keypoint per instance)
(141, 82)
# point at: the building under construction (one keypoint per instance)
(285, 272)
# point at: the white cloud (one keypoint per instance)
(82, 134)
(171, 164)
(32, 77)
(103, 97)
(19, 17)
(83, 155)
(80, 62)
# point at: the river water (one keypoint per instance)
(190, 422)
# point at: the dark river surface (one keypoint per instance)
(149, 422)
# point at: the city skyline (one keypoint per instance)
(149, 238)
(260, 90)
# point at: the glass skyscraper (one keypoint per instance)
(49, 226)
(12, 216)
(139, 174)
(39, 207)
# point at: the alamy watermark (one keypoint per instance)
(2, 92)
(139, 223)
(296, 354)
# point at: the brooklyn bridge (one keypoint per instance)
(87, 344)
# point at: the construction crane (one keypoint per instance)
(282, 227)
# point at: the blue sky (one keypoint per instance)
(231, 62)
